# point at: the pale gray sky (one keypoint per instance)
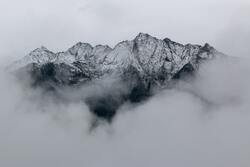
(58, 24)
(174, 128)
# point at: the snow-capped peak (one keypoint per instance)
(140, 64)
(147, 54)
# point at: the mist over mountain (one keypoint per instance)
(81, 87)
(106, 78)
(202, 120)
(145, 102)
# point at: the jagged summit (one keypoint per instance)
(141, 64)
(143, 36)
(142, 43)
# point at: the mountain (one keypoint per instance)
(140, 65)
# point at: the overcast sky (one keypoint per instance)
(59, 24)
(201, 123)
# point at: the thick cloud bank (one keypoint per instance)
(199, 123)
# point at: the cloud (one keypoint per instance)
(203, 122)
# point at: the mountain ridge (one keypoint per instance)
(141, 64)
(81, 49)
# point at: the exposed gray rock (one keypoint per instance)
(141, 64)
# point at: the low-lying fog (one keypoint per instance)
(200, 123)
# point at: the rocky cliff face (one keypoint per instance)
(140, 65)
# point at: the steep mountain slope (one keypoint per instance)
(140, 65)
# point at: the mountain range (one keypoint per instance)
(128, 72)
